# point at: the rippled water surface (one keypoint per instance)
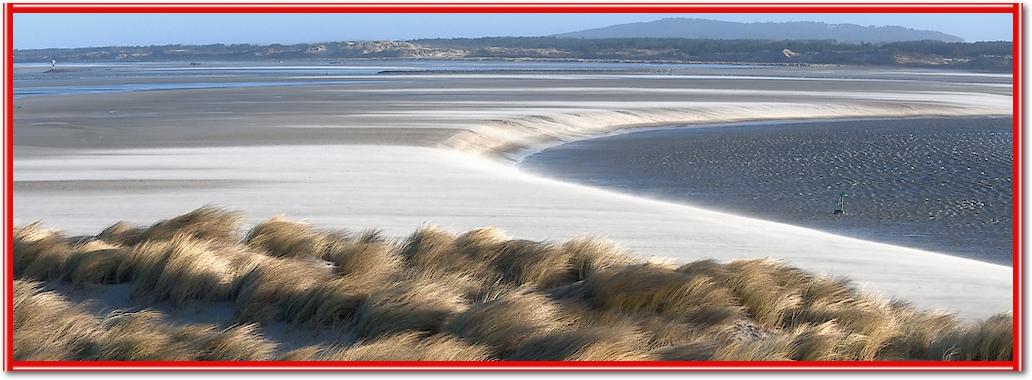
(937, 184)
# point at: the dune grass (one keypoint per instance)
(437, 295)
(48, 327)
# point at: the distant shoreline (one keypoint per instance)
(343, 62)
(991, 56)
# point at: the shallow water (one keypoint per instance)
(943, 185)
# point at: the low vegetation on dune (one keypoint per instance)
(436, 295)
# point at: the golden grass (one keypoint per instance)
(537, 264)
(122, 233)
(205, 223)
(506, 320)
(184, 269)
(435, 295)
(334, 302)
(650, 288)
(95, 262)
(39, 253)
(48, 327)
(611, 343)
(418, 305)
(280, 237)
(365, 257)
(413, 346)
(267, 290)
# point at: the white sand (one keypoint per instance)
(460, 185)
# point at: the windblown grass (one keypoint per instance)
(48, 327)
(506, 321)
(612, 343)
(184, 269)
(280, 237)
(415, 305)
(94, 262)
(39, 253)
(413, 346)
(436, 295)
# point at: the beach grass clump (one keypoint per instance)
(184, 269)
(437, 295)
(48, 327)
(538, 264)
(238, 343)
(755, 284)
(122, 233)
(591, 255)
(94, 262)
(267, 290)
(650, 288)
(333, 303)
(365, 257)
(611, 343)
(39, 253)
(280, 237)
(205, 223)
(137, 336)
(307, 353)
(413, 346)
(506, 320)
(991, 339)
(412, 305)
(45, 325)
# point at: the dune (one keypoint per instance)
(420, 308)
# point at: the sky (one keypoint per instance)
(32, 31)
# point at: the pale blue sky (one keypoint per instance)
(80, 30)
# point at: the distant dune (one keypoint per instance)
(727, 30)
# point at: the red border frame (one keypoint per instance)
(9, 364)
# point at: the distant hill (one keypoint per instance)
(724, 30)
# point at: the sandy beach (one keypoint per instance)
(399, 151)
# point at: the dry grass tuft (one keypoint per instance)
(279, 237)
(95, 262)
(184, 269)
(240, 342)
(366, 258)
(991, 339)
(430, 248)
(538, 264)
(48, 327)
(39, 253)
(413, 346)
(505, 321)
(647, 288)
(755, 284)
(45, 326)
(613, 343)
(205, 223)
(590, 255)
(334, 302)
(122, 233)
(419, 305)
(266, 292)
(306, 353)
(139, 336)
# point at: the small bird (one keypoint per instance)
(841, 210)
